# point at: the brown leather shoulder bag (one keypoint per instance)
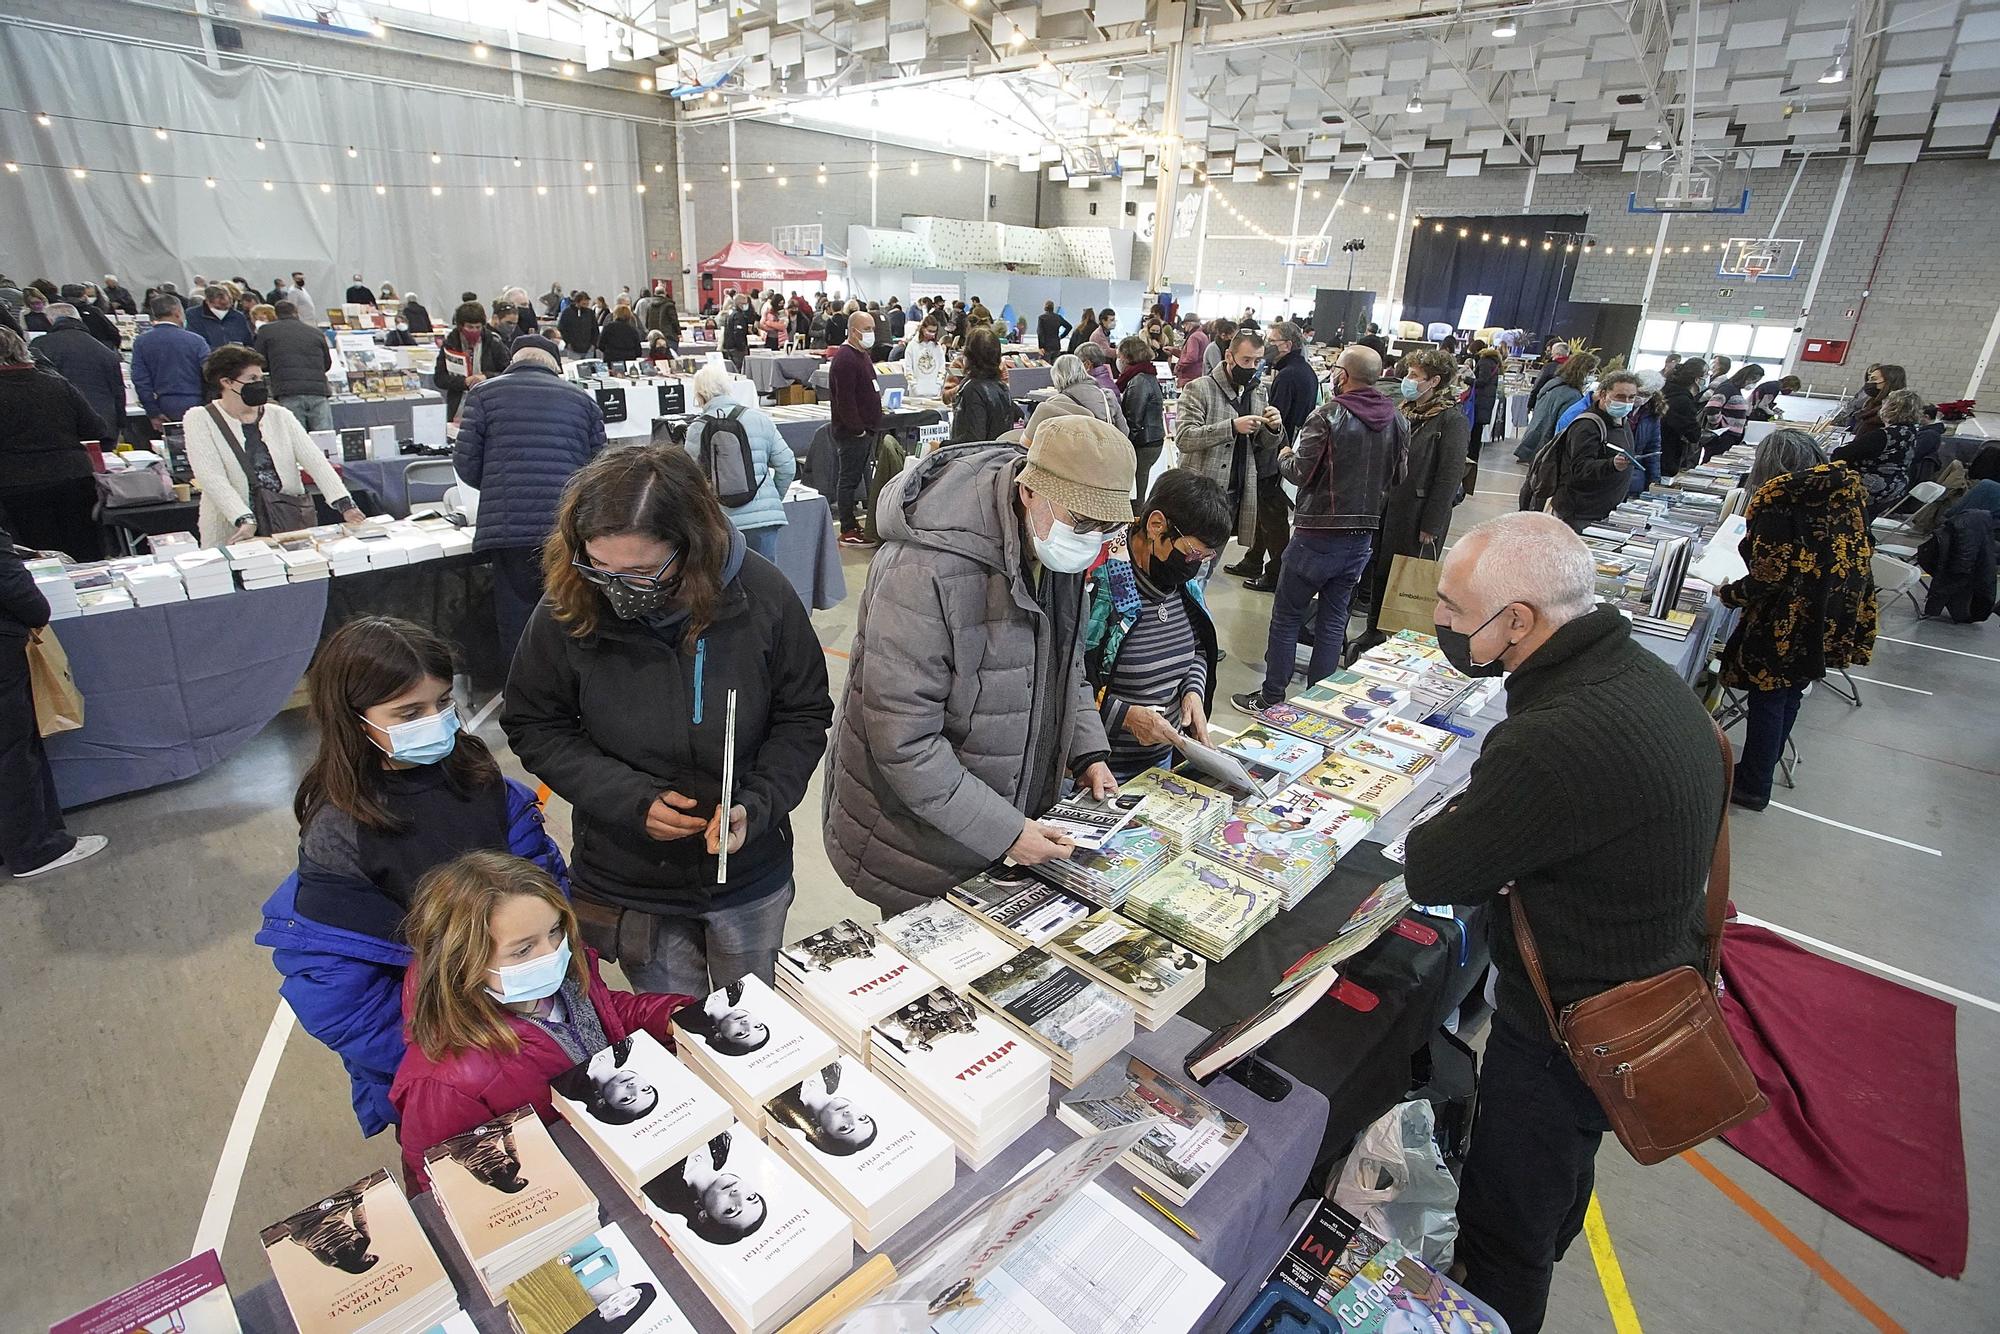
(1655, 1051)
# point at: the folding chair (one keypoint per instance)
(1892, 577)
(1894, 534)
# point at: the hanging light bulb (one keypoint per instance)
(1505, 28)
(913, 167)
(326, 187)
(517, 162)
(437, 189)
(568, 69)
(479, 51)
(590, 189)
(659, 167)
(1415, 106)
(541, 189)
(260, 144)
(435, 156)
(379, 28)
(957, 165)
(80, 173)
(209, 181)
(770, 169)
(489, 192)
(687, 187)
(381, 189)
(783, 181)
(269, 186)
(589, 165)
(351, 152)
(42, 119)
(645, 84)
(640, 188)
(145, 177)
(159, 132)
(736, 185)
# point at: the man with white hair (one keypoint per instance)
(119, 297)
(1597, 802)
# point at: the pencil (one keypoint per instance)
(1169, 1214)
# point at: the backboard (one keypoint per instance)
(806, 239)
(1681, 183)
(1754, 257)
(1312, 252)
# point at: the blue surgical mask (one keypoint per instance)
(1618, 412)
(1411, 387)
(532, 979)
(422, 740)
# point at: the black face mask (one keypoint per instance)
(1172, 568)
(1457, 648)
(256, 393)
(1243, 376)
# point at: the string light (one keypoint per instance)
(645, 84)
(351, 152)
(913, 167)
(770, 169)
(42, 119)
(589, 165)
(687, 187)
(640, 187)
(568, 69)
(489, 191)
(260, 144)
(326, 187)
(437, 189)
(209, 181)
(541, 189)
(957, 165)
(381, 189)
(80, 173)
(658, 167)
(14, 168)
(783, 182)
(436, 157)
(479, 51)
(159, 132)
(590, 189)
(269, 186)
(145, 178)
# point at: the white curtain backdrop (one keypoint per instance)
(106, 97)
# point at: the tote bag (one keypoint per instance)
(1410, 600)
(58, 703)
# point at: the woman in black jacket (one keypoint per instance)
(1680, 425)
(1485, 396)
(469, 353)
(620, 339)
(1417, 516)
(656, 615)
(982, 408)
(578, 326)
(47, 491)
(1139, 395)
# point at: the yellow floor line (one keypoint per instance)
(1610, 1274)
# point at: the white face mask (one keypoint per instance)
(1065, 550)
(868, 340)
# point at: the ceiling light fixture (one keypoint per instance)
(1415, 106)
(1655, 144)
(1505, 29)
(1836, 72)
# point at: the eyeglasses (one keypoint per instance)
(643, 583)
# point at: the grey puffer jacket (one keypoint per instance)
(929, 772)
(1206, 438)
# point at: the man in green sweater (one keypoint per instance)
(1598, 799)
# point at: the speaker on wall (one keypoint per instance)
(227, 37)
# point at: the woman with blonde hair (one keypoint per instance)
(501, 997)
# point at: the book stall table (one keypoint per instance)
(386, 478)
(770, 371)
(1240, 1216)
(822, 381)
(400, 413)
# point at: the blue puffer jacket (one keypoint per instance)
(521, 435)
(347, 987)
(775, 461)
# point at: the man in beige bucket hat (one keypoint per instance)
(966, 703)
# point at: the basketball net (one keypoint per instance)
(1756, 266)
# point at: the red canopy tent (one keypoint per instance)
(756, 262)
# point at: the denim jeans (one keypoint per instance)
(1319, 562)
(314, 411)
(856, 451)
(764, 541)
(1769, 723)
(696, 953)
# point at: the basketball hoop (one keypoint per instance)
(1756, 266)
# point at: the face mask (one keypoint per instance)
(1411, 388)
(532, 979)
(422, 740)
(868, 340)
(1173, 568)
(634, 604)
(1065, 550)
(1457, 649)
(256, 393)
(472, 333)
(1874, 390)
(1243, 376)
(1618, 412)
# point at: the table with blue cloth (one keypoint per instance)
(388, 480)
(1238, 1215)
(769, 371)
(809, 554)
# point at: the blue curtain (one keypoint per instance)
(1529, 285)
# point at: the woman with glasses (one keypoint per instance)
(656, 612)
(247, 453)
(1149, 649)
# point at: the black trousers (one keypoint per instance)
(517, 587)
(1769, 723)
(1274, 527)
(855, 452)
(31, 822)
(1529, 1175)
(1146, 458)
(56, 516)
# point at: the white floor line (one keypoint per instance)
(1938, 648)
(1877, 681)
(1872, 965)
(221, 1204)
(486, 711)
(1857, 829)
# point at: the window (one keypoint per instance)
(1733, 340)
(1771, 342)
(1767, 343)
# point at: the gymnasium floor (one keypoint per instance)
(154, 1107)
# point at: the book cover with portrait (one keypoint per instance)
(634, 1102)
(504, 1183)
(861, 1137)
(752, 1037)
(353, 1257)
(600, 1285)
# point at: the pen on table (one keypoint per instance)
(1169, 1214)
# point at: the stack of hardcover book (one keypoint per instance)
(256, 562)
(1374, 748)
(1090, 822)
(982, 1082)
(600, 1284)
(1018, 904)
(638, 1108)
(1156, 975)
(509, 1197)
(748, 1042)
(1183, 1153)
(1308, 724)
(357, 1262)
(1080, 1023)
(752, 1233)
(946, 940)
(1106, 876)
(1184, 811)
(845, 978)
(1206, 906)
(863, 1145)
(1290, 842)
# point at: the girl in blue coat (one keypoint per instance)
(718, 394)
(395, 790)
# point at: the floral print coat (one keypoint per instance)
(1808, 602)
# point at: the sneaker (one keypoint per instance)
(1251, 702)
(855, 538)
(87, 845)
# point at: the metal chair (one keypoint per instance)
(1894, 534)
(438, 481)
(1892, 577)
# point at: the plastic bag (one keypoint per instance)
(1396, 1183)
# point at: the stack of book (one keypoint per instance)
(982, 1082)
(863, 1145)
(345, 555)
(1106, 876)
(357, 1263)
(51, 578)
(1081, 1024)
(752, 1233)
(1180, 1155)
(1291, 842)
(1088, 821)
(153, 585)
(1374, 748)
(638, 1108)
(204, 572)
(97, 601)
(1281, 753)
(1362, 1281)
(1332, 695)
(1416, 736)
(598, 1285)
(946, 940)
(256, 562)
(1308, 724)
(384, 551)
(844, 979)
(509, 1197)
(748, 1042)
(1019, 905)
(302, 560)
(1363, 785)
(1154, 974)
(1206, 906)
(1183, 811)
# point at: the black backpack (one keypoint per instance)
(732, 471)
(1545, 470)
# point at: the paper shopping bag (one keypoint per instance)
(1410, 600)
(58, 703)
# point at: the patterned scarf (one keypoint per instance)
(1427, 405)
(581, 1034)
